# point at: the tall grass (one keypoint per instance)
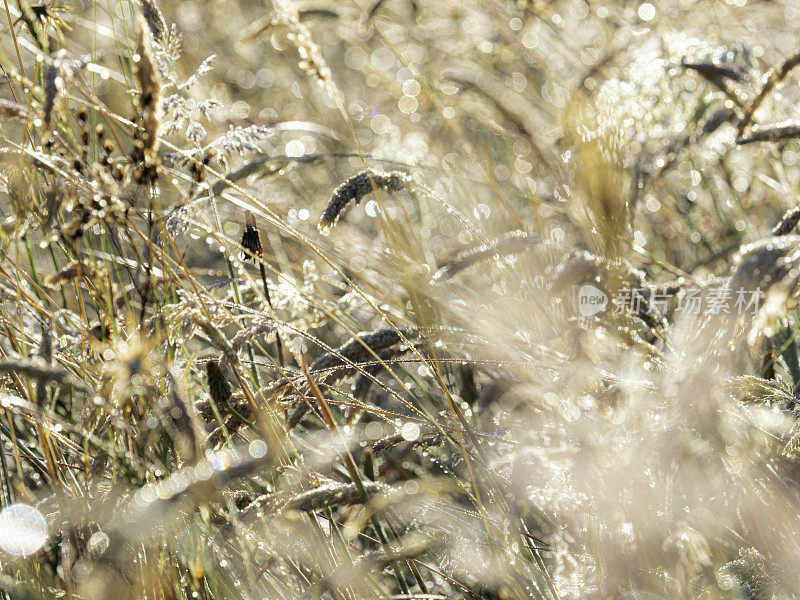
(290, 300)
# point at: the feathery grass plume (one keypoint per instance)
(311, 60)
(358, 186)
(755, 390)
(619, 274)
(145, 148)
(513, 108)
(603, 214)
(508, 431)
(751, 571)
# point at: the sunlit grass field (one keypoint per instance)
(399, 300)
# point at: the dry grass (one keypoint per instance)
(220, 378)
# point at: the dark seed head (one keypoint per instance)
(218, 386)
(251, 240)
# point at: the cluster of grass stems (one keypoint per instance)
(299, 318)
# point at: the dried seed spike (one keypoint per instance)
(328, 495)
(514, 242)
(47, 14)
(251, 243)
(770, 134)
(187, 438)
(52, 85)
(155, 20)
(53, 199)
(46, 345)
(46, 355)
(324, 13)
(714, 71)
(358, 186)
(145, 152)
(12, 110)
(251, 240)
(245, 335)
(773, 78)
(336, 365)
(361, 349)
(788, 222)
(218, 386)
(70, 272)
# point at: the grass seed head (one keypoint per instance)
(358, 186)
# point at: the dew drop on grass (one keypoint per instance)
(257, 449)
(23, 530)
(410, 432)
